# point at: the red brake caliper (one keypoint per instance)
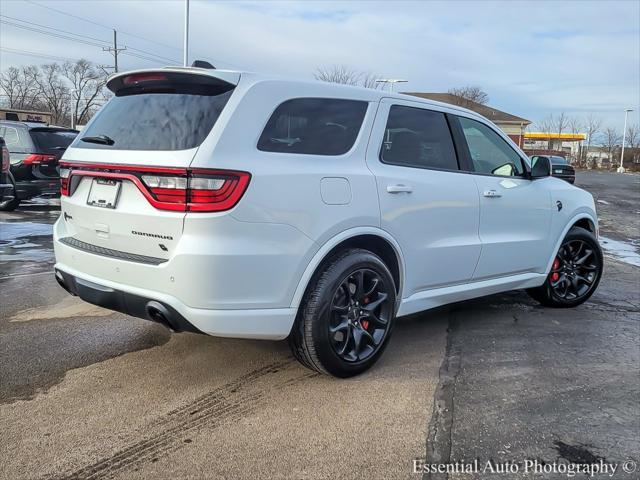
(365, 323)
(556, 265)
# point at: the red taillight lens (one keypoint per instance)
(5, 160)
(216, 191)
(182, 190)
(35, 159)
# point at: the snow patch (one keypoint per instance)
(624, 251)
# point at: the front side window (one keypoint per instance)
(313, 126)
(419, 138)
(489, 152)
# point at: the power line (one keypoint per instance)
(52, 34)
(52, 28)
(29, 53)
(31, 26)
(84, 19)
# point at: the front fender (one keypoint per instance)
(580, 214)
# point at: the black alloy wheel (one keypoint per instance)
(360, 313)
(575, 272)
(346, 316)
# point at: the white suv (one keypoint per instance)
(239, 205)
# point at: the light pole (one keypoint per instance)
(624, 137)
(391, 81)
(186, 35)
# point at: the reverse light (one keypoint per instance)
(64, 181)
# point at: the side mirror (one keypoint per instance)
(541, 168)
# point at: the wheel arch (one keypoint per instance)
(583, 220)
(373, 239)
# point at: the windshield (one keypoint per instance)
(156, 121)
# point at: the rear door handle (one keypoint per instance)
(399, 189)
(492, 194)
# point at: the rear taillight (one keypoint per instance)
(216, 191)
(5, 160)
(36, 158)
(184, 190)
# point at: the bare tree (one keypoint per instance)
(574, 125)
(87, 83)
(470, 92)
(21, 87)
(546, 126)
(632, 141)
(592, 127)
(611, 139)
(55, 93)
(346, 76)
(560, 124)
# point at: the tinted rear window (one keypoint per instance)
(178, 120)
(52, 140)
(313, 126)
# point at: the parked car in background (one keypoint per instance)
(242, 205)
(559, 167)
(35, 150)
(6, 188)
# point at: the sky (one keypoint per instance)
(533, 58)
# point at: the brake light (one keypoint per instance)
(36, 158)
(184, 190)
(132, 80)
(5, 160)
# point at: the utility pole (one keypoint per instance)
(114, 50)
(185, 61)
(624, 137)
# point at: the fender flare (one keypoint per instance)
(569, 226)
(321, 254)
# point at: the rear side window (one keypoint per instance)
(420, 138)
(164, 117)
(313, 126)
(47, 140)
(16, 139)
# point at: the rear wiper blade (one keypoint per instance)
(101, 139)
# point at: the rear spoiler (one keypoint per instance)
(139, 79)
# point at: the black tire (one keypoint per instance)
(575, 274)
(10, 205)
(360, 332)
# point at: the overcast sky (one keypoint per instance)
(533, 58)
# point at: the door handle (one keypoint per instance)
(399, 189)
(492, 194)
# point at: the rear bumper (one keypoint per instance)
(37, 188)
(266, 324)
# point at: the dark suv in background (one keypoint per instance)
(559, 167)
(35, 149)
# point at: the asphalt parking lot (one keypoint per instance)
(87, 393)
